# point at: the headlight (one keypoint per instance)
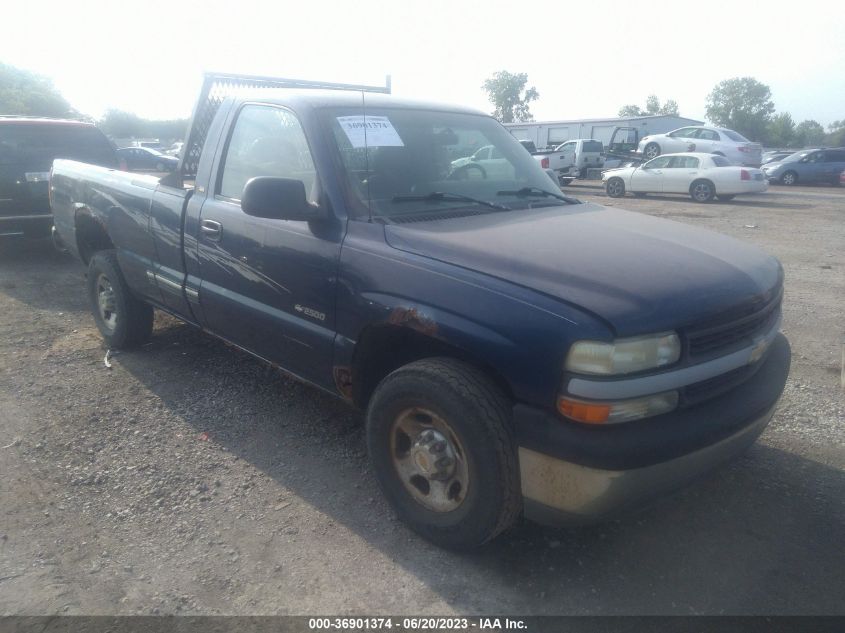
(624, 356)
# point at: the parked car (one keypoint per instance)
(28, 146)
(147, 159)
(773, 157)
(702, 176)
(515, 350)
(711, 140)
(808, 166)
(175, 149)
(487, 162)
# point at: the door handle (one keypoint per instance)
(211, 230)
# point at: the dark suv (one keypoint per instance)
(27, 148)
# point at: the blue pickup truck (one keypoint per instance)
(516, 351)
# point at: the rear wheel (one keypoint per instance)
(439, 440)
(789, 178)
(702, 191)
(615, 187)
(123, 320)
(652, 150)
(726, 198)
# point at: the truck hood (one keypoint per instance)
(639, 273)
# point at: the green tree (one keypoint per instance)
(120, 124)
(630, 110)
(652, 107)
(780, 131)
(508, 94)
(23, 92)
(808, 133)
(835, 134)
(742, 104)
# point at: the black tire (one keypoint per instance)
(124, 320)
(478, 416)
(702, 191)
(639, 194)
(615, 187)
(789, 178)
(652, 150)
(726, 197)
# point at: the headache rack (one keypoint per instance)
(216, 87)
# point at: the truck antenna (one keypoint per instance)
(367, 157)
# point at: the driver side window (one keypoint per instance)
(687, 132)
(266, 141)
(659, 162)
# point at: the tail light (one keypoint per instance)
(544, 162)
(744, 174)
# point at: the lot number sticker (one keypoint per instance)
(379, 131)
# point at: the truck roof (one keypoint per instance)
(342, 98)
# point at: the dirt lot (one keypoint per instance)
(190, 478)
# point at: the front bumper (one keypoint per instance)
(576, 474)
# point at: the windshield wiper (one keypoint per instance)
(445, 196)
(526, 192)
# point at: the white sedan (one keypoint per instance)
(702, 176)
(712, 140)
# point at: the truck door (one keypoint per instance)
(268, 285)
(567, 157)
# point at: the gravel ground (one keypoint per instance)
(191, 479)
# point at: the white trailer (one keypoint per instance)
(553, 133)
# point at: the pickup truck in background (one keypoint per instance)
(571, 159)
(28, 146)
(515, 351)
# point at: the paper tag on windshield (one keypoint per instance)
(372, 131)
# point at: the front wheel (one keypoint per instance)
(441, 446)
(702, 191)
(789, 178)
(123, 320)
(615, 188)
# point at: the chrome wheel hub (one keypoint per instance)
(106, 302)
(429, 460)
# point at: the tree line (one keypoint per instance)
(742, 104)
(29, 94)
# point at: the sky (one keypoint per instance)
(586, 59)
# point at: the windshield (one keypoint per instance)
(398, 157)
(793, 157)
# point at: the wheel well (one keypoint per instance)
(707, 180)
(382, 349)
(91, 237)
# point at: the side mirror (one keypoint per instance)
(278, 199)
